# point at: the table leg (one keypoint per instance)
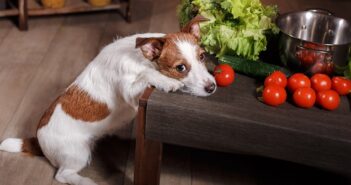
(148, 154)
(23, 15)
(128, 11)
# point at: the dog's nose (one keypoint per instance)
(210, 88)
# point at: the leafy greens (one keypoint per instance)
(235, 27)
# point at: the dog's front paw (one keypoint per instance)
(170, 85)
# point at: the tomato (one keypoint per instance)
(328, 99)
(306, 57)
(298, 80)
(320, 82)
(307, 60)
(341, 85)
(224, 75)
(276, 78)
(274, 95)
(304, 97)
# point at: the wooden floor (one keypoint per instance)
(35, 66)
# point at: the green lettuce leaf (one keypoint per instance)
(347, 72)
(236, 27)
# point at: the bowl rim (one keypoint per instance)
(282, 16)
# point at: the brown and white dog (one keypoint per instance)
(108, 89)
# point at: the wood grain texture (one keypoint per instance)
(61, 62)
(148, 153)
(164, 19)
(5, 28)
(25, 8)
(9, 12)
(233, 120)
(19, 63)
(23, 14)
(22, 169)
(72, 6)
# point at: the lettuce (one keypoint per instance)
(186, 11)
(235, 27)
(347, 72)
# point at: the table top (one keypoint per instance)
(240, 103)
(234, 120)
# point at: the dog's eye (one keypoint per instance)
(202, 57)
(181, 68)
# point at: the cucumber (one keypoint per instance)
(252, 68)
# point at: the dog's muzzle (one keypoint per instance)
(210, 88)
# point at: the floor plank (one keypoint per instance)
(209, 168)
(58, 68)
(176, 166)
(117, 27)
(5, 28)
(18, 169)
(71, 50)
(164, 17)
(21, 53)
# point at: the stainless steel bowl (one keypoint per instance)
(314, 41)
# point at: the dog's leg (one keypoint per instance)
(70, 161)
(65, 175)
(162, 82)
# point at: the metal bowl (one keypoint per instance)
(314, 41)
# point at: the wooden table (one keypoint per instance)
(232, 120)
(26, 8)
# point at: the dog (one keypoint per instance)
(108, 89)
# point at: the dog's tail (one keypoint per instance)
(30, 146)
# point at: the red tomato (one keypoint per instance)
(307, 60)
(341, 85)
(224, 75)
(276, 78)
(320, 82)
(274, 95)
(298, 80)
(304, 97)
(306, 57)
(328, 99)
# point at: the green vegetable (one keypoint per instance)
(236, 27)
(344, 70)
(347, 72)
(186, 11)
(252, 68)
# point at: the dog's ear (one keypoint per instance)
(193, 26)
(151, 47)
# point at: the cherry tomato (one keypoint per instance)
(328, 99)
(305, 57)
(304, 97)
(320, 82)
(298, 80)
(276, 78)
(274, 95)
(224, 75)
(307, 60)
(341, 85)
